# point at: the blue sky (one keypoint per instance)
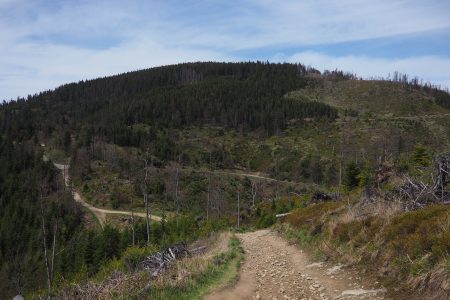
(45, 43)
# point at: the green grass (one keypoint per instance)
(223, 271)
(371, 97)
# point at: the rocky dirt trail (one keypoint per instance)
(274, 269)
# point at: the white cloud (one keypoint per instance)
(52, 65)
(46, 43)
(240, 25)
(261, 23)
(429, 68)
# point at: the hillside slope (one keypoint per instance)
(181, 137)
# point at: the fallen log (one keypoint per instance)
(282, 215)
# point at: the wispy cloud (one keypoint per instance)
(256, 23)
(44, 43)
(52, 65)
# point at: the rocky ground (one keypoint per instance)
(274, 269)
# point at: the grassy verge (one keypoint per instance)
(189, 278)
(408, 251)
(221, 270)
(307, 226)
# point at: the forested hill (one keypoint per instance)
(243, 96)
(34, 206)
(201, 132)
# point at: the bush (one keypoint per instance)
(133, 256)
(266, 221)
(358, 232)
(310, 217)
(420, 232)
(421, 156)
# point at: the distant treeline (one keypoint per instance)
(441, 96)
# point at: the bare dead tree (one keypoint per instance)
(341, 154)
(443, 172)
(177, 204)
(209, 188)
(215, 203)
(254, 191)
(238, 210)
(55, 230)
(49, 263)
(126, 172)
(132, 221)
(145, 194)
(17, 270)
(64, 177)
(177, 178)
(44, 243)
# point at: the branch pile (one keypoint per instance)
(415, 195)
(159, 261)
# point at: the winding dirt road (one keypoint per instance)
(273, 269)
(255, 176)
(100, 213)
(242, 174)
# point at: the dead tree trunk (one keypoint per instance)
(145, 194)
(132, 221)
(64, 177)
(44, 243)
(55, 230)
(209, 188)
(340, 162)
(239, 211)
(207, 199)
(443, 170)
(176, 197)
(254, 191)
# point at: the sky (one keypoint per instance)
(46, 43)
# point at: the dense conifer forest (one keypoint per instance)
(242, 96)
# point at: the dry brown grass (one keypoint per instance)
(179, 275)
(411, 248)
(117, 283)
(434, 284)
(377, 208)
(184, 271)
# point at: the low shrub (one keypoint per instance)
(311, 217)
(135, 255)
(417, 233)
(358, 232)
(266, 221)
